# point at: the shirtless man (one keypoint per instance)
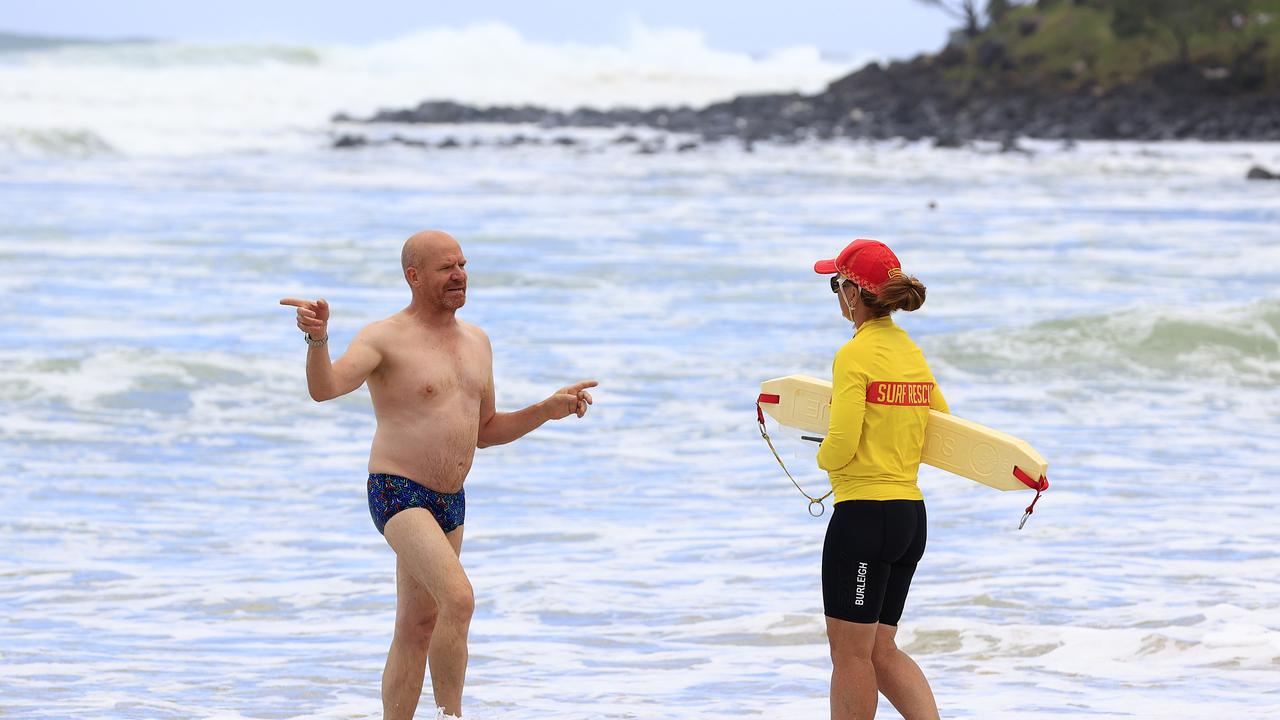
(431, 379)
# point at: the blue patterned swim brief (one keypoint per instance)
(389, 494)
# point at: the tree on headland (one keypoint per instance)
(1180, 18)
(964, 10)
(967, 12)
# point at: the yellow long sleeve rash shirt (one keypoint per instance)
(881, 394)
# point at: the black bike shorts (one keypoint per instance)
(868, 558)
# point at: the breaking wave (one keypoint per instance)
(1236, 344)
(163, 98)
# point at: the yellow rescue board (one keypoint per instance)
(953, 444)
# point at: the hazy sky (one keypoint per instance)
(889, 28)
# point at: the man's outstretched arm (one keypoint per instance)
(325, 379)
(499, 428)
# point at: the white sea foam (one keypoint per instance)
(187, 98)
(186, 534)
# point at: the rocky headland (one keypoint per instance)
(1023, 76)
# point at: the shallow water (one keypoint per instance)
(186, 534)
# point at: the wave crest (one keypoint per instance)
(53, 142)
(1239, 344)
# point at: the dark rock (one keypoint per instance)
(948, 140)
(446, 112)
(1010, 145)
(1176, 79)
(1257, 172)
(521, 139)
(409, 142)
(682, 119)
(994, 54)
(449, 143)
(686, 147)
(350, 141)
(626, 139)
(950, 57)
(1249, 69)
(565, 141)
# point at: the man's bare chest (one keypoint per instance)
(419, 372)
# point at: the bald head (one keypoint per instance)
(435, 269)
(427, 246)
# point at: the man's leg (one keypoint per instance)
(900, 679)
(439, 653)
(431, 560)
(853, 678)
(407, 659)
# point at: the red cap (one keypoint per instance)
(867, 262)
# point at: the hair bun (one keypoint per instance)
(899, 292)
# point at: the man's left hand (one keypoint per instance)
(570, 400)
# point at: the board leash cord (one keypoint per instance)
(764, 433)
(1038, 485)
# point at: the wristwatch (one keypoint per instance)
(313, 342)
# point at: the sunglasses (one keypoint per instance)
(838, 281)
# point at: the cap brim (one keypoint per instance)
(825, 267)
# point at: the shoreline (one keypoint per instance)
(911, 101)
(647, 141)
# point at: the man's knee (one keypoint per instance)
(457, 603)
(416, 632)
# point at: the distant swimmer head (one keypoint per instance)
(871, 267)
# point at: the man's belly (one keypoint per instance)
(432, 451)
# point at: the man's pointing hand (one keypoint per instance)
(313, 316)
(570, 400)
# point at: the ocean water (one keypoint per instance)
(186, 534)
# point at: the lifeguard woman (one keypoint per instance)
(882, 391)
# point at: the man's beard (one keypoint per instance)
(451, 301)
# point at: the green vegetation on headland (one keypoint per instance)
(1229, 46)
